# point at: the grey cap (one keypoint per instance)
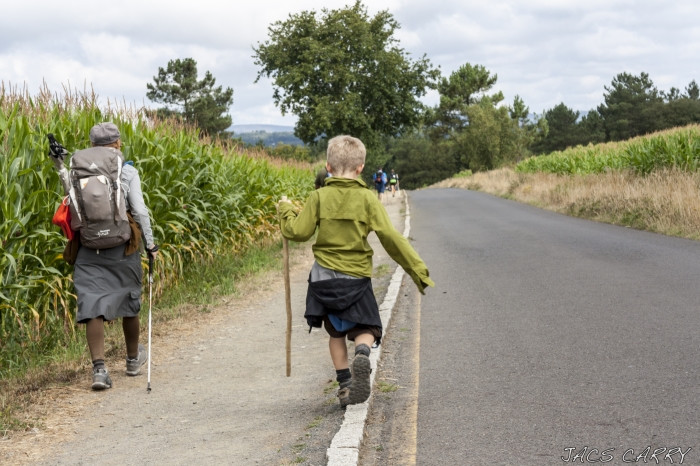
(104, 133)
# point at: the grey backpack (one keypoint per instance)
(98, 206)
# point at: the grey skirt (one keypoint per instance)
(107, 283)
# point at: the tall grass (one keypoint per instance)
(650, 182)
(675, 148)
(204, 200)
(664, 201)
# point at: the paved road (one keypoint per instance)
(552, 339)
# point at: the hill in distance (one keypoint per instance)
(270, 135)
(242, 129)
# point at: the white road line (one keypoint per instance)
(345, 446)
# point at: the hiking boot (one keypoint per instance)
(133, 366)
(100, 379)
(360, 388)
(344, 393)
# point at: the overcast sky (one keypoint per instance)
(545, 51)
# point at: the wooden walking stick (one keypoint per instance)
(288, 300)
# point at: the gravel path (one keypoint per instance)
(219, 390)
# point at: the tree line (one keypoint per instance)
(632, 106)
(343, 71)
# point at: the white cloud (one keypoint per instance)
(545, 51)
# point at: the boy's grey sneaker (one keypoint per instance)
(344, 393)
(100, 379)
(133, 366)
(360, 388)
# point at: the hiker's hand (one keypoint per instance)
(57, 161)
(424, 283)
(283, 199)
(152, 251)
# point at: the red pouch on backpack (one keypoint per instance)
(62, 218)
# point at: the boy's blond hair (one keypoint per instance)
(345, 154)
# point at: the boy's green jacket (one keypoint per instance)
(346, 211)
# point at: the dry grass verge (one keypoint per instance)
(665, 201)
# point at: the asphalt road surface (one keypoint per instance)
(547, 340)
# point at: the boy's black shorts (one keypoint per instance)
(358, 329)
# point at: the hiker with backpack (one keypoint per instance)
(393, 182)
(340, 296)
(110, 218)
(380, 181)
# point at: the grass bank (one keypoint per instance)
(664, 199)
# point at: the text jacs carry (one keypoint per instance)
(99, 210)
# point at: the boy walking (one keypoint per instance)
(340, 295)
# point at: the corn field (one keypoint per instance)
(677, 148)
(203, 199)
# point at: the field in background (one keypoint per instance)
(675, 148)
(649, 182)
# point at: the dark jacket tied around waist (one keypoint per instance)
(351, 300)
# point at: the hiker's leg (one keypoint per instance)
(337, 345)
(361, 369)
(95, 333)
(339, 355)
(339, 352)
(131, 327)
(364, 339)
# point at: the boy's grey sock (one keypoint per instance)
(98, 364)
(342, 375)
(362, 349)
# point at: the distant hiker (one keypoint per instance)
(380, 181)
(108, 281)
(340, 295)
(393, 182)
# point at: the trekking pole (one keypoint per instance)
(288, 301)
(150, 303)
(58, 153)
